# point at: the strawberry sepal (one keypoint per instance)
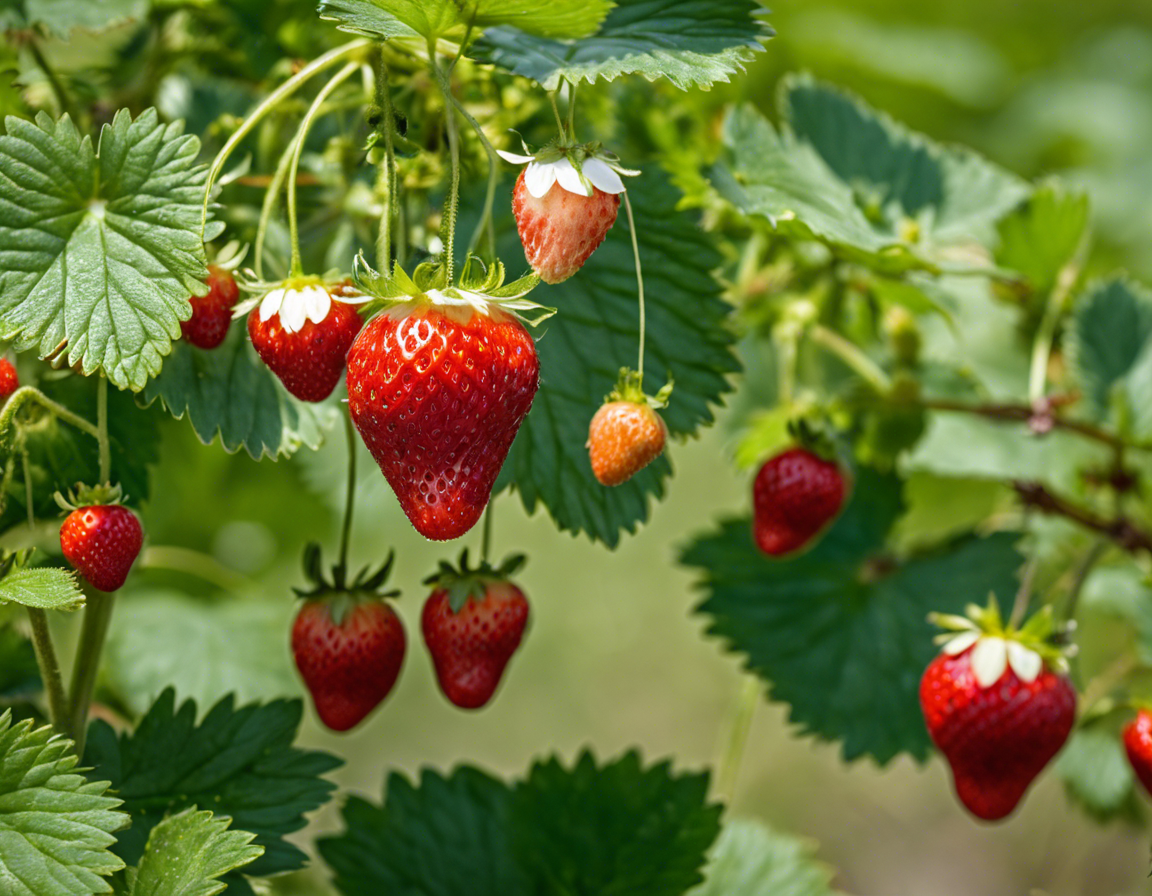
(337, 591)
(81, 495)
(462, 582)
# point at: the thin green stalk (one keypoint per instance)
(30, 393)
(194, 563)
(53, 80)
(556, 110)
(486, 533)
(102, 429)
(485, 222)
(97, 614)
(449, 226)
(639, 282)
(268, 207)
(737, 739)
(1098, 549)
(350, 500)
(1046, 332)
(296, 268)
(852, 356)
(384, 101)
(1024, 592)
(271, 102)
(572, 110)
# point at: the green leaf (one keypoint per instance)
(61, 17)
(840, 633)
(1097, 776)
(384, 19)
(187, 852)
(99, 251)
(1042, 235)
(44, 588)
(203, 649)
(583, 348)
(228, 392)
(239, 761)
(55, 825)
(840, 172)
(590, 830)
(689, 42)
(751, 859)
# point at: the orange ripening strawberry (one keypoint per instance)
(438, 392)
(9, 381)
(623, 438)
(796, 495)
(472, 623)
(102, 541)
(1138, 746)
(212, 314)
(303, 334)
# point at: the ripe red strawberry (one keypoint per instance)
(624, 437)
(212, 314)
(438, 393)
(473, 622)
(303, 342)
(102, 541)
(349, 653)
(997, 737)
(795, 496)
(9, 381)
(561, 229)
(1138, 744)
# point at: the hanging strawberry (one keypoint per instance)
(627, 433)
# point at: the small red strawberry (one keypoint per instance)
(102, 541)
(9, 381)
(438, 392)
(1138, 744)
(303, 334)
(796, 495)
(997, 711)
(348, 643)
(212, 314)
(626, 433)
(473, 622)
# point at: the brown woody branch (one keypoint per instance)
(1040, 417)
(1125, 533)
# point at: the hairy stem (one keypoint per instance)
(639, 281)
(350, 500)
(737, 738)
(392, 184)
(49, 669)
(485, 222)
(25, 394)
(102, 429)
(486, 533)
(572, 110)
(97, 614)
(453, 203)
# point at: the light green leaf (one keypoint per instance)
(432, 19)
(203, 649)
(583, 348)
(99, 251)
(751, 859)
(1097, 776)
(228, 392)
(239, 761)
(689, 42)
(60, 17)
(1042, 235)
(55, 826)
(43, 588)
(841, 633)
(187, 852)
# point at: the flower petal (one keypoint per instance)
(961, 642)
(1025, 663)
(989, 660)
(602, 176)
(271, 303)
(539, 179)
(293, 312)
(570, 179)
(514, 157)
(317, 303)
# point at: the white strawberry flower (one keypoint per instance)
(296, 306)
(592, 169)
(992, 655)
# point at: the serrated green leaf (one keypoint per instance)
(751, 859)
(99, 250)
(228, 393)
(161, 639)
(592, 830)
(844, 174)
(239, 761)
(840, 633)
(1043, 234)
(431, 19)
(55, 825)
(43, 588)
(61, 17)
(689, 42)
(583, 348)
(1097, 776)
(187, 852)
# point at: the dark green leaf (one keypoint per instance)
(751, 859)
(44, 588)
(241, 762)
(690, 42)
(840, 633)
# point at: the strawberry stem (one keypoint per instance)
(102, 429)
(852, 356)
(486, 533)
(449, 225)
(391, 180)
(30, 393)
(269, 205)
(572, 110)
(556, 111)
(350, 500)
(97, 614)
(639, 281)
(485, 222)
(296, 268)
(737, 738)
(1098, 549)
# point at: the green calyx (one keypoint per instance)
(82, 495)
(630, 387)
(818, 436)
(341, 594)
(463, 582)
(1039, 633)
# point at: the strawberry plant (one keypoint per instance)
(284, 281)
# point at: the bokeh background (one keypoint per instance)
(615, 656)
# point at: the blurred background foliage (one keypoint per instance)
(615, 656)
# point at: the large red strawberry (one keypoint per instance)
(102, 541)
(9, 381)
(303, 334)
(998, 713)
(796, 495)
(1138, 745)
(438, 393)
(212, 314)
(473, 622)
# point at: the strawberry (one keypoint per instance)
(997, 710)
(212, 314)
(795, 496)
(1138, 744)
(102, 541)
(9, 381)
(347, 643)
(626, 433)
(472, 623)
(303, 334)
(438, 392)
